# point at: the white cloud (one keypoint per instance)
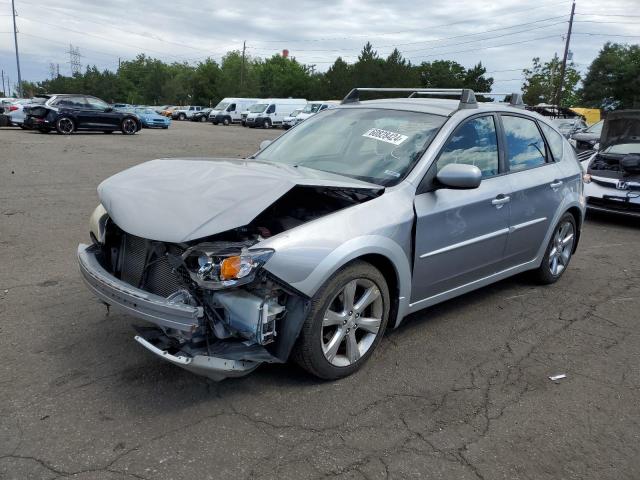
(315, 32)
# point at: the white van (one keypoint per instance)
(229, 110)
(272, 111)
(314, 107)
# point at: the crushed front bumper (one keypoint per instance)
(164, 313)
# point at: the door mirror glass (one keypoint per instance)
(264, 144)
(459, 175)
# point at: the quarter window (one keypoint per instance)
(474, 143)
(525, 146)
(555, 141)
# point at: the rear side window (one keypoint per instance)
(475, 143)
(554, 140)
(525, 145)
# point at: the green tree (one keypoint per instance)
(369, 70)
(543, 79)
(613, 76)
(339, 79)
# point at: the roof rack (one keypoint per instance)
(515, 99)
(466, 95)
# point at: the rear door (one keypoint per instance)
(536, 184)
(461, 235)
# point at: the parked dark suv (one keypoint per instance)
(69, 113)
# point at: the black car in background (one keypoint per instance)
(69, 113)
(201, 116)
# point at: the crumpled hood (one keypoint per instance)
(620, 127)
(182, 200)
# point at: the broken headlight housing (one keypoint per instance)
(214, 268)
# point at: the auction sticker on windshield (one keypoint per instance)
(385, 136)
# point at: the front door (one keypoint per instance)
(461, 235)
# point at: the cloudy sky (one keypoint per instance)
(503, 36)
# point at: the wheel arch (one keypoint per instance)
(577, 216)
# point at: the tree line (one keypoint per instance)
(612, 80)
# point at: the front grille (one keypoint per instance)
(145, 265)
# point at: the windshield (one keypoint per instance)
(623, 149)
(596, 128)
(374, 145)
(258, 108)
(221, 106)
(295, 113)
(311, 108)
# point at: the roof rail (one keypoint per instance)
(515, 99)
(466, 95)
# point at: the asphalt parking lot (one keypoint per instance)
(460, 391)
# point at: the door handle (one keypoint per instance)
(556, 184)
(500, 200)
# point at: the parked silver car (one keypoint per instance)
(339, 228)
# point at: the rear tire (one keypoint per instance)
(128, 126)
(559, 251)
(338, 336)
(65, 126)
(203, 119)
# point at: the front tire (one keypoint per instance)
(559, 251)
(266, 123)
(203, 119)
(65, 125)
(182, 116)
(346, 321)
(226, 122)
(128, 126)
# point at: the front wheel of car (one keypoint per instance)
(128, 126)
(65, 126)
(203, 119)
(346, 321)
(182, 116)
(559, 251)
(226, 122)
(266, 123)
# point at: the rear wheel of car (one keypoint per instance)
(226, 122)
(182, 116)
(559, 251)
(203, 118)
(128, 126)
(65, 126)
(346, 321)
(266, 123)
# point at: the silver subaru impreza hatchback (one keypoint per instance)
(333, 232)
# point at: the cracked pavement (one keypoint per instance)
(459, 391)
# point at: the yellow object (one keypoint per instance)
(591, 115)
(230, 268)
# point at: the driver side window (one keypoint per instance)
(474, 143)
(271, 109)
(96, 104)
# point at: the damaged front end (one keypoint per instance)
(214, 309)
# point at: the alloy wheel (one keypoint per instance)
(560, 252)
(129, 126)
(65, 126)
(352, 322)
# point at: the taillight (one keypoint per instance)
(13, 108)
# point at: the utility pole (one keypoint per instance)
(244, 47)
(15, 40)
(4, 92)
(564, 58)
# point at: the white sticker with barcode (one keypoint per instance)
(385, 136)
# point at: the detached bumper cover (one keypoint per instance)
(212, 367)
(131, 300)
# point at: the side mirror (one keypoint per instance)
(264, 144)
(460, 175)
